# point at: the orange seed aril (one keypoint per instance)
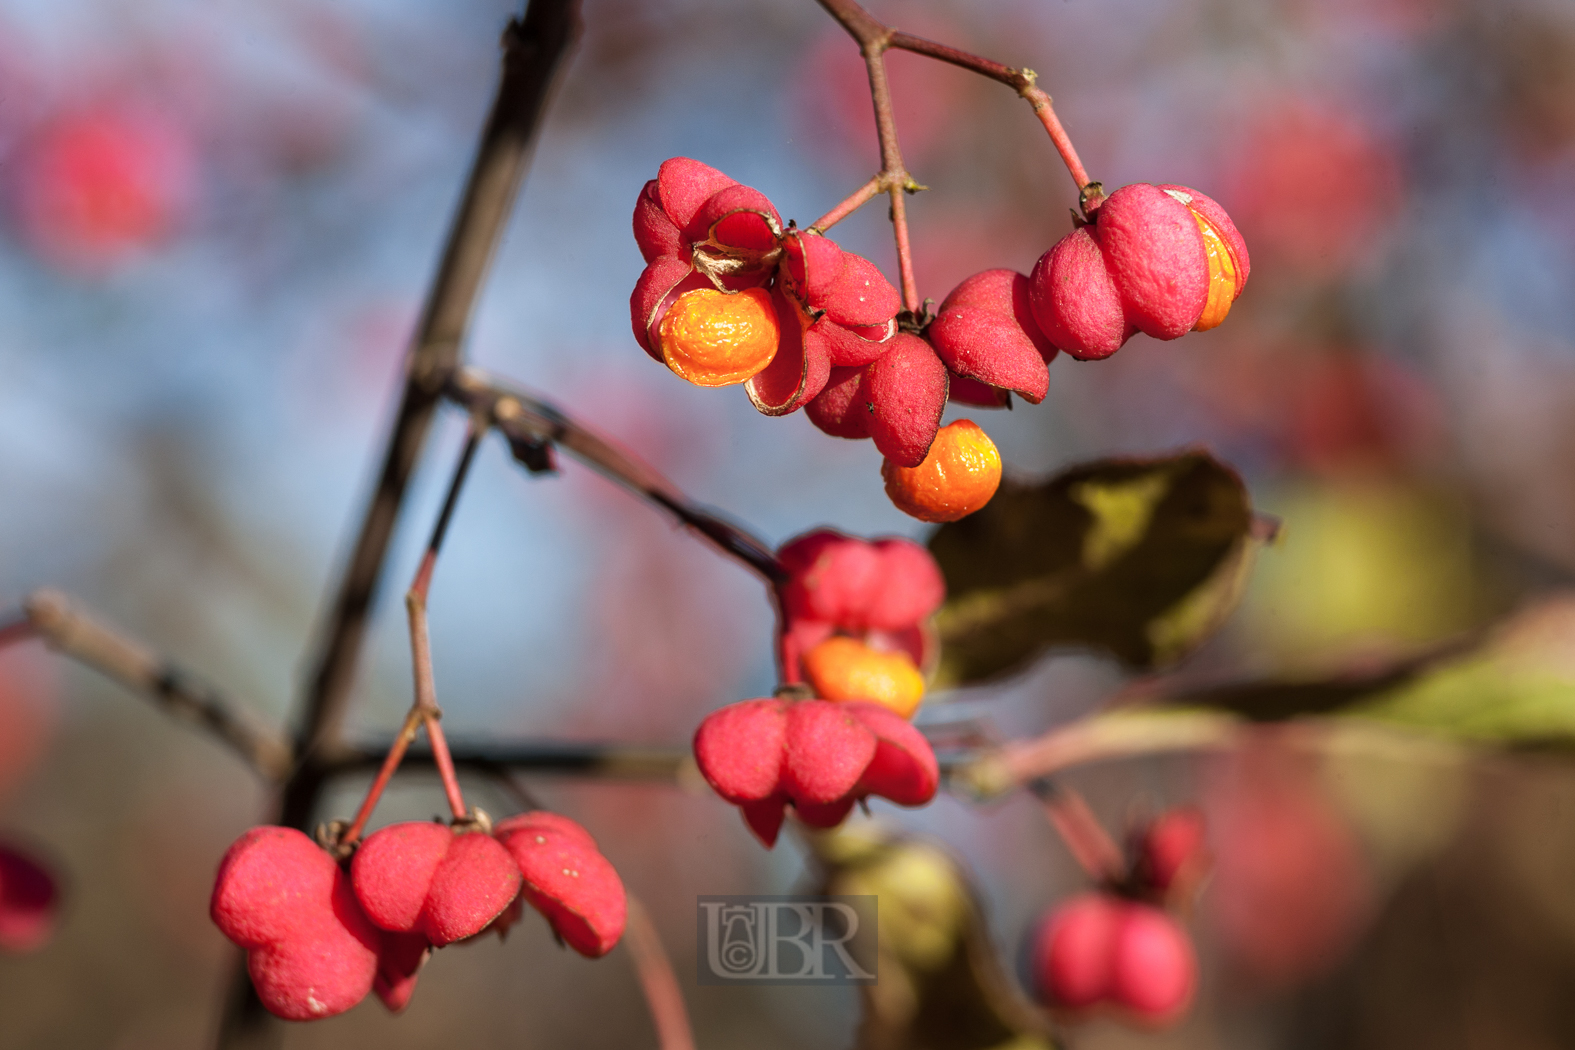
(957, 477)
(843, 668)
(714, 338)
(1222, 276)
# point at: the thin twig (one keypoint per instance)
(1086, 839)
(534, 49)
(1024, 82)
(1096, 738)
(532, 424)
(456, 484)
(535, 427)
(874, 37)
(989, 773)
(505, 781)
(660, 984)
(424, 710)
(856, 200)
(68, 629)
(501, 761)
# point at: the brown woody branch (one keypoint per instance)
(603, 761)
(533, 51)
(534, 426)
(65, 627)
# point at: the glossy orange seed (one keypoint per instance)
(846, 669)
(1222, 276)
(960, 474)
(714, 338)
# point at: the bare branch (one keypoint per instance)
(602, 761)
(534, 425)
(533, 51)
(66, 628)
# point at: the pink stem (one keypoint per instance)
(1087, 840)
(660, 984)
(856, 200)
(424, 711)
(445, 766)
(396, 754)
(875, 38)
(1045, 111)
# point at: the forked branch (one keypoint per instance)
(875, 38)
(533, 52)
(424, 712)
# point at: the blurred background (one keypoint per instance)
(216, 224)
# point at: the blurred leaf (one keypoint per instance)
(942, 986)
(1142, 558)
(1275, 700)
(1367, 561)
(1513, 685)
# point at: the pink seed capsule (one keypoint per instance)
(1154, 971)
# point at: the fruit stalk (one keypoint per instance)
(657, 979)
(424, 711)
(426, 701)
(873, 38)
(856, 200)
(420, 636)
(876, 38)
(391, 761)
(1087, 840)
